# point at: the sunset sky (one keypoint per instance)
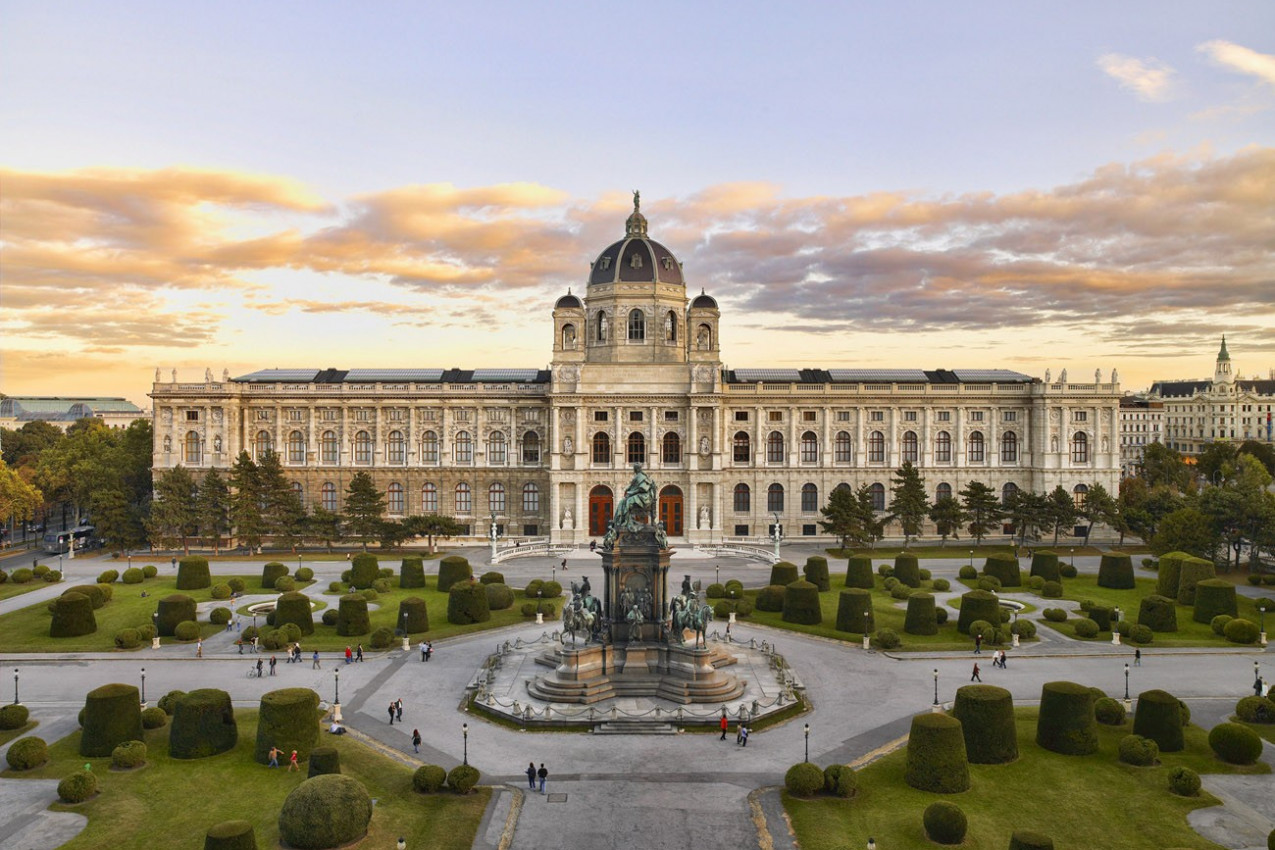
(1013, 185)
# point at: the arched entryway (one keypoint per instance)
(601, 505)
(671, 510)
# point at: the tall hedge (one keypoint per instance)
(231, 835)
(801, 604)
(272, 572)
(1004, 567)
(289, 720)
(294, 607)
(411, 573)
(859, 572)
(907, 569)
(1116, 571)
(327, 811)
(1066, 723)
(351, 617)
(417, 612)
(921, 618)
(72, 616)
(851, 606)
(203, 725)
(986, 713)
(1170, 573)
(1158, 613)
(978, 605)
(173, 609)
(1214, 596)
(1101, 615)
(451, 570)
(771, 598)
(1194, 571)
(816, 572)
(92, 591)
(364, 570)
(324, 760)
(1045, 565)
(467, 603)
(783, 573)
(112, 715)
(192, 573)
(936, 755)
(1159, 717)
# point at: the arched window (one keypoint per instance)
(943, 491)
(809, 447)
(672, 448)
(531, 447)
(704, 338)
(602, 448)
(878, 497)
(396, 448)
(601, 325)
(842, 448)
(530, 499)
(670, 327)
(876, 447)
(429, 447)
(497, 449)
(742, 447)
(463, 450)
(193, 449)
(329, 448)
(743, 499)
(261, 445)
(943, 447)
(637, 448)
(496, 498)
(911, 452)
(775, 497)
(976, 447)
(1078, 495)
(1008, 492)
(363, 448)
(429, 498)
(637, 325)
(569, 337)
(1080, 447)
(327, 495)
(774, 447)
(296, 447)
(809, 498)
(394, 501)
(299, 492)
(464, 498)
(1009, 447)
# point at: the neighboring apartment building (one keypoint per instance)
(637, 376)
(16, 411)
(1141, 423)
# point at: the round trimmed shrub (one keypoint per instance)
(533, 588)
(891, 583)
(1055, 615)
(967, 572)
(330, 617)
(1184, 782)
(112, 715)
(1235, 744)
(936, 755)
(219, 616)
(921, 619)
(907, 569)
(887, 639)
(467, 603)
(304, 574)
(1024, 628)
(352, 618)
(1138, 751)
(1116, 571)
(289, 720)
(547, 608)
(1036, 583)
(106, 577)
(285, 584)
(429, 779)
(72, 616)
(127, 639)
(783, 573)
(801, 604)
(326, 811)
(816, 572)
(944, 823)
(1051, 590)
(381, 585)
(1159, 717)
(839, 780)
(173, 609)
(14, 716)
(1045, 565)
(294, 608)
(989, 583)
(413, 612)
(454, 569)
(382, 638)
(128, 755)
(499, 596)
(77, 787)
(271, 573)
(1086, 628)
(978, 605)
(23, 575)
(1253, 709)
(336, 587)
(803, 780)
(1218, 624)
(411, 573)
(859, 572)
(885, 571)
(1067, 571)
(852, 604)
(986, 713)
(743, 608)
(94, 592)
(1194, 570)
(1101, 615)
(771, 598)
(186, 631)
(323, 760)
(941, 585)
(1025, 840)
(492, 577)
(364, 570)
(221, 591)
(900, 592)
(368, 595)
(1158, 613)
(27, 753)
(192, 573)
(462, 778)
(168, 702)
(1005, 569)
(133, 575)
(1241, 631)
(528, 609)
(1141, 634)
(982, 628)
(153, 718)
(1066, 724)
(926, 575)
(203, 725)
(236, 584)
(551, 590)
(1213, 596)
(1109, 712)
(385, 573)
(715, 591)
(231, 835)
(735, 589)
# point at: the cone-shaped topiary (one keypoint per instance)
(203, 725)
(467, 603)
(936, 755)
(417, 614)
(351, 618)
(986, 713)
(272, 572)
(1024, 840)
(364, 570)
(1067, 724)
(1159, 717)
(801, 604)
(978, 605)
(771, 598)
(499, 597)
(92, 591)
(411, 573)
(1045, 565)
(1116, 571)
(173, 609)
(72, 616)
(1158, 613)
(921, 617)
(1170, 573)
(1214, 596)
(324, 760)
(783, 573)
(1004, 567)
(852, 604)
(816, 572)
(295, 608)
(907, 570)
(944, 823)
(1194, 571)
(1235, 744)
(859, 572)
(289, 720)
(192, 573)
(326, 811)
(112, 715)
(451, 570)
(231, 835)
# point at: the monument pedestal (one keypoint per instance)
(595, 673)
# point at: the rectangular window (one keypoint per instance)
(1081, 416)
(877, 416)
(329, 416)
(809, 416)
(1011, 415)
(599, 416)
(976, 416)
(843, 416)
(294, 415)
(741, 531)
(945, 416)
(530, 530)
(462, 416)
(192, 415)
(774, 416)
(635, 415)
(263, 415)
(362, 415)
(808, 531)
(909, 416)
(741, 415)
(670, 416)
(396, 415)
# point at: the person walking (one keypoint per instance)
(1137, 658)
(424, 656)
(292, 763)
(416, 740)
(978, 644)
(743, 737)
(429, 651)
(1004, 658)
(259, 666)
(254, 644)
(274, 757)
(974, 677)
(724, 724)
(315, 664)
(542, 775)
(391, 711)
(349, 655)
(398, 709)
(531, 775)
(199, 648)
(273, 661)
(1257, 686)
(358, 653)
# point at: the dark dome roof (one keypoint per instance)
(567, 300)
(635, 258)
(703, 300)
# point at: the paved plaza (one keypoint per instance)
(679, 791)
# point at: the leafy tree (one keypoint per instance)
(364, 506)
(246, 503)
(120, 525)
(1144, 507)
(908, 503)
(1242, 507)
(1099, 507)
(1027, 511)
(1214, 460)
(212, 508)
(947, 515)
(1264, 452)
(23, 446)
(325, 525)
(1060, 511)
(173, 519)
(1185, 530)
(1163, 465)
(981, 508)
(18, 498)
(432, 527)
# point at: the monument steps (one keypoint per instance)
(633, 727)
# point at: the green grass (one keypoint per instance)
(134, 810)
(1265, 730)
(961, 549)
(9, 734)
(10, 588)
(1080, 801)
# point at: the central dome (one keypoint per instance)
(635, 258)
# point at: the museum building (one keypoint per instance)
(637, 376)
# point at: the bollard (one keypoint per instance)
(867, 642)
(1115, 638)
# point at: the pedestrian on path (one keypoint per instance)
(273, 661)
(254, 644)
(429, 651)
(358, 653)
(292, 763)
(531, 776)
(391, 710)
(416, 740)
(259, 668)
(315, 664)
(739, 733)
(743, 737)
(274, 757)
(398, 708)
(424, 655)
(724, 724)
(542, 775)
(1137, 658)
(1003, 659)
(975, 677)
(1257, 687)
(349, 655)
(978, 644)
(199, 648)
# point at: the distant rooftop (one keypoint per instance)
(395, 376)
(64, 409)
(877, 376)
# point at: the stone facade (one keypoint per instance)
(1141, 423)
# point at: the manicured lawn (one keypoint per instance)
(1080, 801)
(155, 805)
(10, 588)
(10, 734)
(960, 549)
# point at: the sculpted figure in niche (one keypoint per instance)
(703, 445)
(704, 521)
(701, 339)
(217, 444)
(602, 328)
(568, 521)
(635, 260)
(668, 327)
(569, 336)
(168, 444)
(567, 445)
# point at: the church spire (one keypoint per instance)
(1223, 354)
(1222, 371)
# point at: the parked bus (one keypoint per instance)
(56, 542)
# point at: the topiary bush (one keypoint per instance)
(285, 584)
(1004, 568)
(294, 607)
(839, 780)
(129, 755)
(1241, 631)
(27, 753)
(803, 780)
(816, 572)
(1025, 629)
(186, 631)
(1141, 634)
(368, 595)
(413, 612)
(921, 619)
(887, 639)
(1170, 573)
(1045, 565)
(133, 575)
(72, 616)
(1218, 624)
(936, 755)
(986, 713)
(1193, 571)
(499, 597)
(859, 572)
(801, 604)
(852, 604)
(551, 590)
(989, 583)
(381, 585)
(901, 592)
(203, 725)
(734, 588)
(978, 605)
(106, 577)
(467, 603)
(221, 591)
(1086, 628)
(329, 617)
(771, 598)
(304, 574)
(1158, 716)
(1252, 709)
(325, 811)
(192, 573)
(14, 716)
(411, 573)
(783, 573)
(128, 639)
(967, 572)
(1213, 597)
(323, 761)
(1066, 723)
(77, 787)
(352, 618)
(715, 591)
(1051, 590)
(945, 823)
(153, 718)
(112, 715)
(885, 571)
(168, 702)
(364, 570)
(454, 569)
(462, 778)
(231, 835)
(1158, 613)
(97, 596)
(1184, 782)
(1055, 615)
(382, 638)
(1235, 744)
(1116, 571)
(941, 585)
(1101, 615)
(271, 573)
(173, 609)
(1024, 840)
(1109, 712)
(1138, 751)
(289, 720)
(907, 570)
(429, 779)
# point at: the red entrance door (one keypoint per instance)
(600, 508)
(671, 510)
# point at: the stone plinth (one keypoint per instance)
(596, 673)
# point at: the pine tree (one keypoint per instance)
(432, 527)
(246, 503)
(364, 506)
(282, 511)
(908, 504)
(173, 520)
(981, 509)
(1027, 511)
(1099, 507)
(1060, 511)
(842, 516)
(947, 515)
(323, 524)
(212, 507)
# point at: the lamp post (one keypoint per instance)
(1261, 613)
(407, 642)
(15, 685)
(1073, 558)
(143, 687)
(298, 560)
(336, 702)
(872, 845)
(971, 562)
(130, 560)
(1126, 682)
(464, 731)
(402, 843)
(867, 627)
(717, 573)
(254, 619)
(807, 743)
(936, 689)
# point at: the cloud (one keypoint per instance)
(1150, 80)
(1240, 59)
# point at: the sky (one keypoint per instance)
(238, 186)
